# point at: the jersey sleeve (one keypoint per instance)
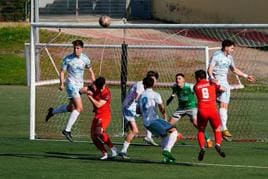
(87, 62)
(106, 96)
(232, 62)
(64, 64)
(213, 60)
(139, 88)
(158, 98)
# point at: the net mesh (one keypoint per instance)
(247, 107)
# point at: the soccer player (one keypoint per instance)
(101, 99)
(129, 114)
(75, 65)
(221, 62)
(186, 103)
(207, 111)
(147, 106)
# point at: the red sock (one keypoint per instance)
(106, 139)
(201, 139)
(99, 144)
(218, 137)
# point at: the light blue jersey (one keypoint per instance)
(75, 68)
(221, 64)
(148, 103)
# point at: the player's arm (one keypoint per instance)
(238, 72)
(92, 74)
(62, 73)
(96, 103)
(162, 110)
(169, 100)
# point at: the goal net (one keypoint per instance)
(124, 53)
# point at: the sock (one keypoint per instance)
(207, 137)
(74, 115)
(171, 141)
(201, 139)
(60, 109)
(218, 137)
(98, 143)
(223, 115)
(106, 139)
(148, 134)
(125, 147)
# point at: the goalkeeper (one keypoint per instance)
(186, 103)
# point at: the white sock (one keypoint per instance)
(60, 109)
(125, 147)
(171, 141)
(148, 134)
(114, 151)
(224, 117)
(74, 115)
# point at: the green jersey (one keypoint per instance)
(186, 96)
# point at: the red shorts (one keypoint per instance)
(102, 121)
(205, 115)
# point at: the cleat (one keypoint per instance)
(123, 155)
(49, 114)
(209, 143)
(168, 161)
(67, 135)
(150, 141)
(104, 157)
(219, 150)
(226, 133)
(201, 154)
(168, 155)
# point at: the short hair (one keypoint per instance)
(148, 82)
(78, 43)
(152, 73)
(100, 82)
(179, 74)
(227, 43)
(200, 74)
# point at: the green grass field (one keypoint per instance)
(23, 158)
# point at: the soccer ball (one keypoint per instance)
(105, 21)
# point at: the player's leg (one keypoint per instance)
(96, 130)
(216, 126)
(168, 133)
(176, 116)
(149, 139)
(224, 99)
(104, 124)
(192, 113)
(133, 131)
(201, 125)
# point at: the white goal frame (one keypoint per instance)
(35, 41)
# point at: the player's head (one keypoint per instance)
(180, 80)
(152, 74)
(99, 83)
(227, 46)
(148, 82)
(78, 47)
(200, 75)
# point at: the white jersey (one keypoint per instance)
(148, 103)
(221, 64)
(75, 68)
(134, 91)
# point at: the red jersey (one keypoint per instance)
(206, 94)
(105, 94)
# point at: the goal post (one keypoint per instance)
(124, 53)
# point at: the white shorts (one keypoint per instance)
(129, 113)
(73, 90)
(192, 113)
(225, 95)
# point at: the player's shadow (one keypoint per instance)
(86, 157)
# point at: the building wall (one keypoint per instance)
(211, 11)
